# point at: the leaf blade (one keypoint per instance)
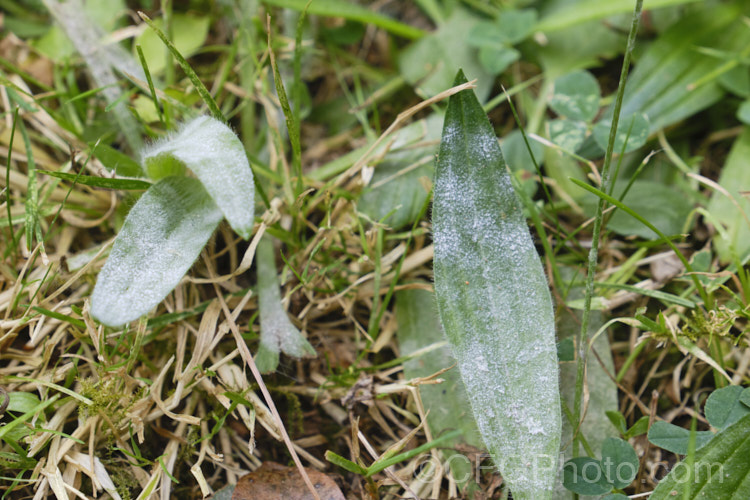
(216, 156)
(506, 355)
(161, 238)
(721, 469)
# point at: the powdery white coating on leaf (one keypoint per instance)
(162, 236)
(214, 153)
(494, 302)
(277, 333)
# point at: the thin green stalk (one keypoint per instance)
(292, 123)
(150, 81)
(166, 11)
(594, 253)
(7, 178)
(297, 94)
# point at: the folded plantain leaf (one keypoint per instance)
(721, 469)
(159, 241)
(277, 333)
(494, 302)
(216, 156)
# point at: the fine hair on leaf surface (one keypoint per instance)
(161, 238)
(169, 226)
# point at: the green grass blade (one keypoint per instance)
(351, 11)
(654, 294)
(100, 182)
(150, 81)
(292, 118)
(5, 429)
(62, 317)
(31, 219)
(7, 178)
(572, 14)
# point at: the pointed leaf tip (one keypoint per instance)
(460, 78)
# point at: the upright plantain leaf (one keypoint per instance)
(277, 333)
(419, 328)
(216, 156)
(494, 302)
(161, 238)
(721, 469)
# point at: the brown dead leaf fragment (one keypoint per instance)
(274, 481)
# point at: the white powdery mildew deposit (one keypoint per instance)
(215, 155)
(494, 303)
(161, 238)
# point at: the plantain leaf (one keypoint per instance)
(216, 156)
(277, 333)
(159, 241)
(494, 302)
(721, 469)
(447, 404)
